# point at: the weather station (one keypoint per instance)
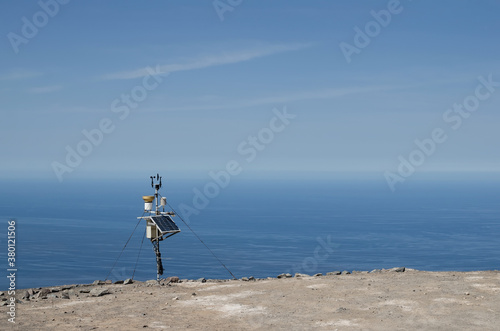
(159, 223)
(159, 226)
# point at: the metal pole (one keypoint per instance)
(158, 266)
(156, 197)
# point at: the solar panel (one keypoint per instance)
(165, 224)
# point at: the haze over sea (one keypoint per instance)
(72, 232)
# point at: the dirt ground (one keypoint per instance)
(388, 300)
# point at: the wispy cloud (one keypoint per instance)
(19, 75)
(325, 93)
(46, 89)
(212, 60)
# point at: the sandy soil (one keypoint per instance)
(410, 300)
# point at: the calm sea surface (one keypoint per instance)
(73, 232)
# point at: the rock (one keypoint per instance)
(84, 291)
(281, 276)
(318, 275)
(52, 296)
(2, 294)
(4, 303)
(128, 281)
(355, 272)
(55, 289)
(287, 275)
(172, 279)
(98, 282)
(64, 295)
(375, 271)
(99, 292)
(108, 281)
(333, 273)
(345, 272)
(31, 292)
(119, 282)
(301, 275)
(245, 279)
(201, 280)
(67, 287)
(398, 269)
(42, 294)
(251, 278)
(26, 295)
(175, 298)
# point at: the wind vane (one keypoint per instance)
(159, 223)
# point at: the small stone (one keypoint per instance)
(251, 278)
(301, 275)
(97, 282)
(64, 295)
(67, 287)
(26, 295)
(193, 293)
(99, 292)
(287, 275)
(345, 272)
(318, 275)
(375, 271)
(128, 281)
(175, 298)
(84, 291)
(281, 276)
(201, 280)
(52, 296)
(333, 273)
(42, 294)
(467, 293)
(172, 279)
(245, 279)
(119, 282)
(398, 269)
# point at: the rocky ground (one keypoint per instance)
(394, 299)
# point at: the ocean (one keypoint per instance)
(73, 232)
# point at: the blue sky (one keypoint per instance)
(219, 81)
